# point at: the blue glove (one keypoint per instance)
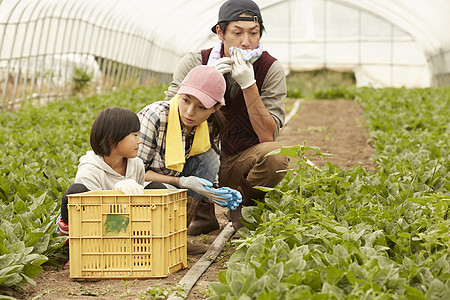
(232, 201)
(203, 187)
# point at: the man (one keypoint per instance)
(255, 90)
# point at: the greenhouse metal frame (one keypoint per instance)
(54, 49)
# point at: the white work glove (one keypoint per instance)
(242, 71)
(233, 202)
(129, 187)
(223, 65)
(203, 187)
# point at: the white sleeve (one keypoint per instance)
(88, 176)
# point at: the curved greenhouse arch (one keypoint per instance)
(134, 42)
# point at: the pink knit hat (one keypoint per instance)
(206, 84)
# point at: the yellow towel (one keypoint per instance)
(174, 142)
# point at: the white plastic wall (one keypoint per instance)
(348, 35)
(385, 42)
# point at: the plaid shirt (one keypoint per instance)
(154, 118)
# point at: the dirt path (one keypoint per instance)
(335, 126)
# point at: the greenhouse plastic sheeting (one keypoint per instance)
(385, 42)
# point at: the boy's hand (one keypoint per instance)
(129, 187)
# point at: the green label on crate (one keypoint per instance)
(115, 224)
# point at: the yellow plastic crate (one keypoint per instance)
(113, 235)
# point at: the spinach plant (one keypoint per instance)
(349, 234)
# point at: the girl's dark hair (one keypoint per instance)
(219, 124)
(223, 25)
(110, 127)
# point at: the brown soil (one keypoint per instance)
(335, 126)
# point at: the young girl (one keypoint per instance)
(112, 163)
(180, 137)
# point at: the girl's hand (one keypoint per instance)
(203, 187)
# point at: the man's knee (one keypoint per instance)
(275, 166)
(269, 170)
(274, 162)
(277, 162)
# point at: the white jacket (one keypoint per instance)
(97, 175)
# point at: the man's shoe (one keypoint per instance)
(234, 216)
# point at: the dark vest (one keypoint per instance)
(239, 134)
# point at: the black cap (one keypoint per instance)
(231, 9)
